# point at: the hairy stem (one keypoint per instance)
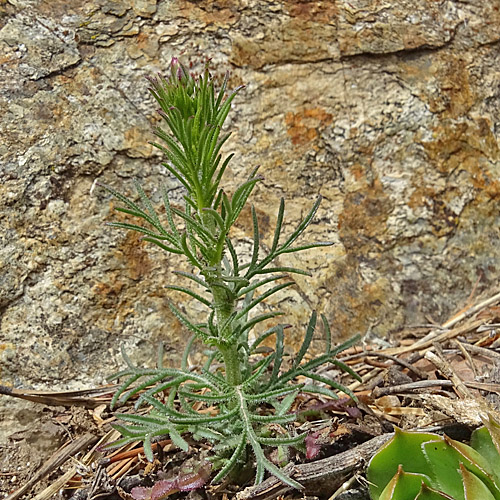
(232, 363)
(224, 307)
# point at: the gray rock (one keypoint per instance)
(388, 109)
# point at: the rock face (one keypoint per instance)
(389, 109)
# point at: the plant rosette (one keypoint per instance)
(428, 466)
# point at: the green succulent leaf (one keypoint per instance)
(452, 470)
(404, 450)
(445, 456)
(403, 486)
(481, 440)
(474, 488)
(427, 493)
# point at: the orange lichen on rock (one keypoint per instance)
(136, 142)
(304, 127)
(362, 222)
(312, 10)
(135, 255)
(218, 13)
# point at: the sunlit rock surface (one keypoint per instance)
(389, 110)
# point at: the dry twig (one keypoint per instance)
(322, 477)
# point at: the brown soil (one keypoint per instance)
(433, 376)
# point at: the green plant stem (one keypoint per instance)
(232, 363)
(224, 307)
(223, 304)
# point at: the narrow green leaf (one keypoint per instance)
(120, 442)
(305, 247)
(311, 326)
(122, 389)
(262, 297)
(256, 238)
(345, 345)
(284, 406)
(281, 269)
(346, 368)
(256, 284)
(263, 336)
(217, 218)
(192, 203)
(209, 398)
(174, 382)
(144, 419)
(186, 322)
(176, 175)
(227, 443)
(202, 419)
(193, 277)
(302, 226)
(168, 211)
(260, 471)
(242, 193)
(177, 439)
(237, 455)
(273, 419)
(235, 279)
(162, 246)
(187, 350)
(148, 451)
(216, 158)
(258, 319)
(278, 358)
(160, 375)
(189, 254)
(316, 389)
(134, 227)
(200, 230)
(275, 393)
(201, 432)
(310, 365)
(279, 224)
(121, 197)
(217, 382)
(134, 213)
(149, 207)
(280, 441)
(331, 383)
(259, 371)
(276, 471)
(189, 292)
(328, 334)
(234, 257)
(174, 153)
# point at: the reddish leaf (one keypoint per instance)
(141, 493)
(195, 479)
(162, 489)
(189, 479)
(312, 445)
